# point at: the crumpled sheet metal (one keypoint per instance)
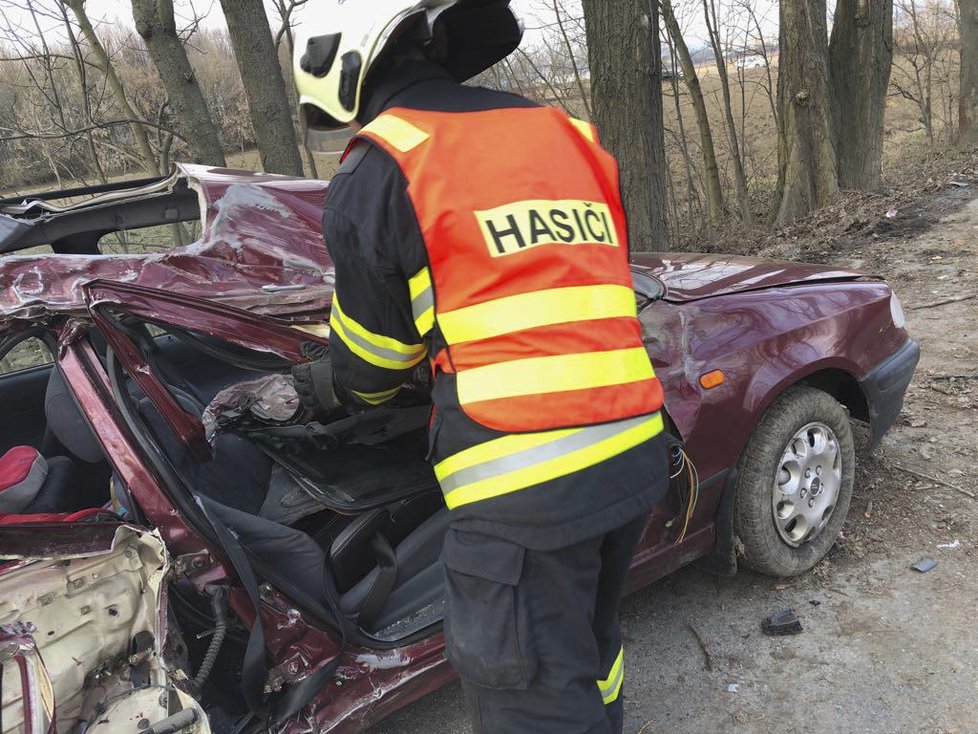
(262, 250)
(270, 399)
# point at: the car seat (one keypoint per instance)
(31, 484)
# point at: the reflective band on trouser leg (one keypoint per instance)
(557, 373)
(376, 398)
(538, 308)
(422, 301)
(610, 687)
(380, 351)
(519, 461)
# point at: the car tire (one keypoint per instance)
(795, 483)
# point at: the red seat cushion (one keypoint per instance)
(92, 515)
(22, 474)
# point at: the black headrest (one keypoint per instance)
(67, 423)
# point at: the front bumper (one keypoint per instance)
(884, 387)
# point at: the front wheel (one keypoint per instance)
(795, 483)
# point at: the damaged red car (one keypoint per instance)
(183, 550)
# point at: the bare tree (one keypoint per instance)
(808, 178)
(714, 192)
(692, 196)
(968, 101)
(740, 179)
(104, 62)
(626, 97)
(285, 35)
(924, 38)
(157, 26)
(756, 34)
(82, 71)
(268, 103)
(571, 55)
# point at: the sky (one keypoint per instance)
(534, 13)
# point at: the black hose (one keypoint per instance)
(219, 603)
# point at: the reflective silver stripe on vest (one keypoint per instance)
(391, 355)
(578, 440)
(422, 303)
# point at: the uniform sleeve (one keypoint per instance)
(371, 232)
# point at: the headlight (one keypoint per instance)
(896, 312)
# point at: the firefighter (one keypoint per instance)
(484, 235)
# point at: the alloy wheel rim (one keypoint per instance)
(806, 484)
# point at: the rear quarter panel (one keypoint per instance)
(765, 342)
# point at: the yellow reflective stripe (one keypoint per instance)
(560, 464)
(380, 351)
(422, 301)
(610, 687)
(540, 308)
(377, 398)
(425, 321)
(559, 373)
(399, 133)
(321, 330)
(419, 283)
(585, 128)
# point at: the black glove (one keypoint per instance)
(314, 384)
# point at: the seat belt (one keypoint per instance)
(254, 668)
(382, 586)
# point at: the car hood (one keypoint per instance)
(688, 277)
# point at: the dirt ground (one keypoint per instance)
(884, 649)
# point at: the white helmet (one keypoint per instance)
(330, 69)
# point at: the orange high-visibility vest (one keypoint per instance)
(529, 282)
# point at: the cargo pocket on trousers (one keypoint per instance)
(487, 629)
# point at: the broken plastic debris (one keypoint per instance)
(955, 544)
(785, 622)
(733, 688)
(927, 564)
(891, 214)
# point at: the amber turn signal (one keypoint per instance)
(712, 379)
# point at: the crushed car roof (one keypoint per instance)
(262, 247)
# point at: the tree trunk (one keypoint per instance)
(714, 192)
(860, 59)
(268, 104)
(740, 178)
(156, 25)
(104, 63)
(808, 176)
(968, 101)
(626, 99)
(313, 169)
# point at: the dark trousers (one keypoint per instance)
(535, 635)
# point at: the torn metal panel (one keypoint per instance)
(95, 620)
